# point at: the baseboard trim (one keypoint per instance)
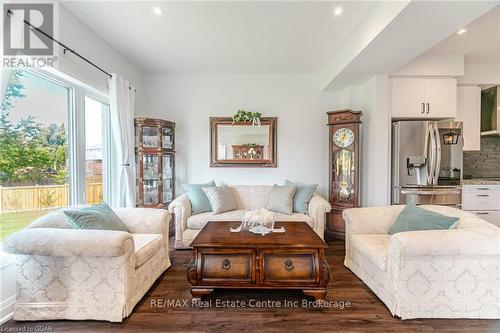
(7, 307)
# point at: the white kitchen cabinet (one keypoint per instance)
(491, 216)
(483, 201)
(408, 96)
(469, 112)
(441, 98)
(423, 97)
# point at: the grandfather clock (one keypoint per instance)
(344, 168)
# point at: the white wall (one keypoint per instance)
(372, 98)
(75, 34)
(481, 74)
(7, 286)
(296, 100)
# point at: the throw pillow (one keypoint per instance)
(281, 199)
(97, 217)
(199, 201)
(302, 196)
(220, 198)
(413, 218)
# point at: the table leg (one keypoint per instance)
(318, 294)
(198, 293)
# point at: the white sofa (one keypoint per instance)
(248, 197)
(426, 274)
(65, 273)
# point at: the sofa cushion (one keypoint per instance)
(55, 219)
(221, 199)
(146, 245)
(198, 199)
(95, 217)
(413, 218)
(198, 221)
(281, 199)
(302, 196)
(374, 247)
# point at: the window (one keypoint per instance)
(96, 150)
(54, 139)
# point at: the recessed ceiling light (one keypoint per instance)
(461, 31)
(158, 10)
(338, 11)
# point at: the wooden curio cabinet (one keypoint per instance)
(155, 162)
(344, 168)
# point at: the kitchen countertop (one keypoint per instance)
(481, 181)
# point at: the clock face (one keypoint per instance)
(343, 137)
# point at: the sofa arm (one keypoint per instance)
(317, 209)
(370, 220)
(481, 241)
(181, 208)
(69, 242)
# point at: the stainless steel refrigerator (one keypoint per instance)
(427, 162)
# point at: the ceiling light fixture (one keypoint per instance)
(338, 11)
(158, 10)
(461, 31)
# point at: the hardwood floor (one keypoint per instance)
(154, 313)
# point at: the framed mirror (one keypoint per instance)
(242, 144)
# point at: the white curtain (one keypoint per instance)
(122, 107)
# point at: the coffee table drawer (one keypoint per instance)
(221, 266)
(289, 267)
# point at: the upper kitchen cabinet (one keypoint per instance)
(423, 98)
(469, 113)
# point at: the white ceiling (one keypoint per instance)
(224, 37)
(480, 44)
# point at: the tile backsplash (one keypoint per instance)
(486, 162)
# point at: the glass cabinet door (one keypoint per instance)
(167, 177)
(167, 138)
(150, 137)
(343, 175)
(150, 169)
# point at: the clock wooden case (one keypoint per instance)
(344, 168)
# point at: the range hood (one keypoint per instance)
(490, 111)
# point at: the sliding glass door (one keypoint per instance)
(54, 147)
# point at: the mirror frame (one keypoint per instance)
(268, 163)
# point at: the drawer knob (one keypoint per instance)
(289, 265)
(226, 264)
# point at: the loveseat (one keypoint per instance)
(452, 273)
(247, 197)
(65, 273)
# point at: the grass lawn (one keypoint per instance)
(14, 221)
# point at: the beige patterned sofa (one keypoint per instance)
(248, 197)
(426, 274)
(65, 273)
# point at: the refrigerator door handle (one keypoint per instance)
(438, 154)
(432, 159)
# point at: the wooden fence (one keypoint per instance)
(21, 198)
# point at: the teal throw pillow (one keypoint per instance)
(413, 218)
(96, 217)
(302, 197)
(199, 201)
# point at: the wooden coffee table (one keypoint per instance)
(291, 260)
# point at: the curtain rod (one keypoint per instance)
(66, 48)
